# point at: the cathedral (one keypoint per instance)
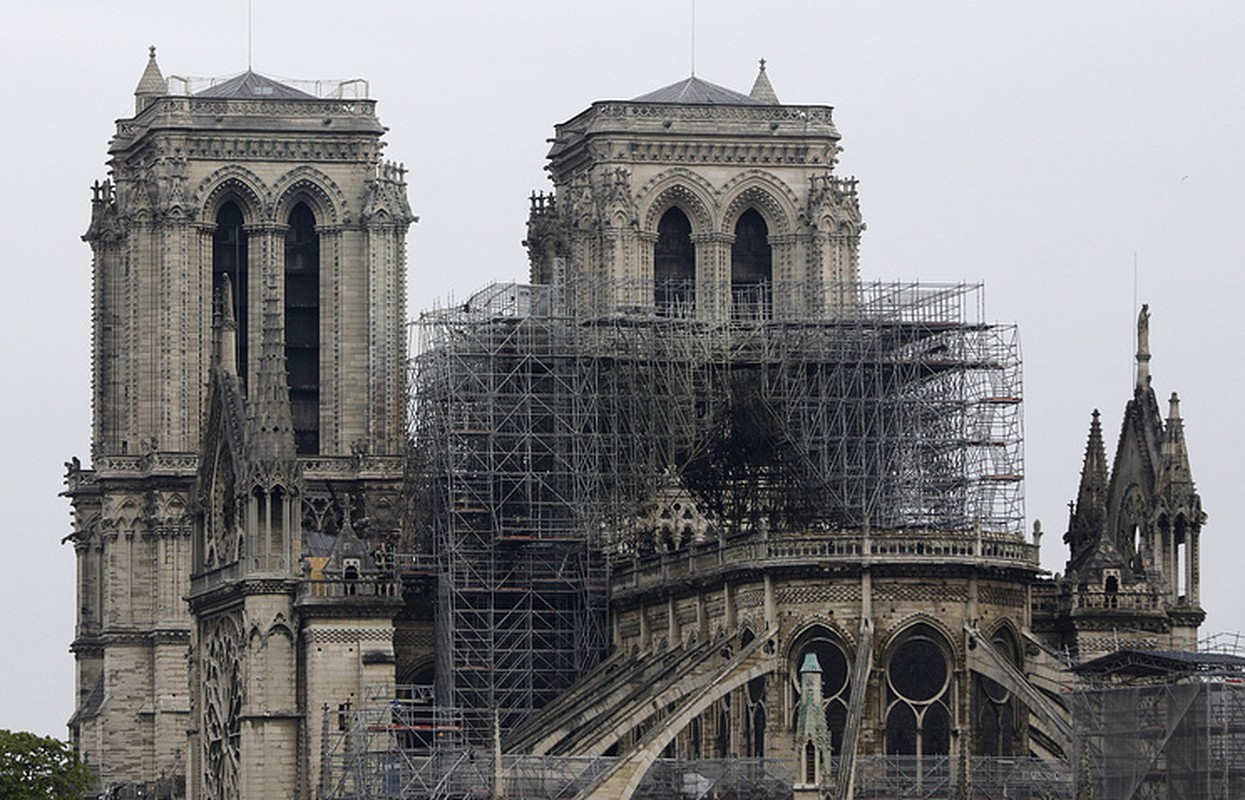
(696, 507)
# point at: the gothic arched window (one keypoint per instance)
(996, 708)
(302, 327)
(752, 268)
(918, 683)
(674, 266)
(229, 259)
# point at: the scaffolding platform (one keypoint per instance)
(544, 438)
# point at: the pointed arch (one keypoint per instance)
(919, 668)
(308, 185)
(949, 638)
(681, 187)
(237, 183)
(759, 190)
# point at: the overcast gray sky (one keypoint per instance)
(1043, 148)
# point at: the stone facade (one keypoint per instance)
(240, 534)
(1133, 577)
(283, 197)
(620, 167)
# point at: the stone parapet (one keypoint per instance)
(821, 550)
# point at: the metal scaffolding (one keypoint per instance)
(545, 438)
(1164, 725)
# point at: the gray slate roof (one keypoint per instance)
(251, 85)
(694, 91)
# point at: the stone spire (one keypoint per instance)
(1175, 479)
(1090, 514)
(761, 88)
(151, 85)
(270, 425)
(227, 344)
(812, 736)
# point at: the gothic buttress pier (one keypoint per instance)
(270, 202)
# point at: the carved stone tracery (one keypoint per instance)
(223, 685)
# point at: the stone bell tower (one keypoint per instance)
(697, 201)
(272, 200)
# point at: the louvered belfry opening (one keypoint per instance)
(302, 327)
(674, 266)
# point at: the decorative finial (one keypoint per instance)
(762, 62)
(151, 52)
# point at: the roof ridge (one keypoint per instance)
(698, 91)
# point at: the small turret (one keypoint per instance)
(762, 89)
(151, 86)
(812, 736)
(1174, 473)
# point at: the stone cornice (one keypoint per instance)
(185, 465)
(727, 120)
(87, 646)
(132, 637)
(696, 134)
(279, 148)
(1187, 617)
(220, 588)
(227, 116)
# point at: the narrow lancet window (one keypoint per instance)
(752, 268)
(229, 259)
(674, 266)
(302, 327)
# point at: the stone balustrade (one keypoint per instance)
(1123, 600)
(999, 550)
(337, 589)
